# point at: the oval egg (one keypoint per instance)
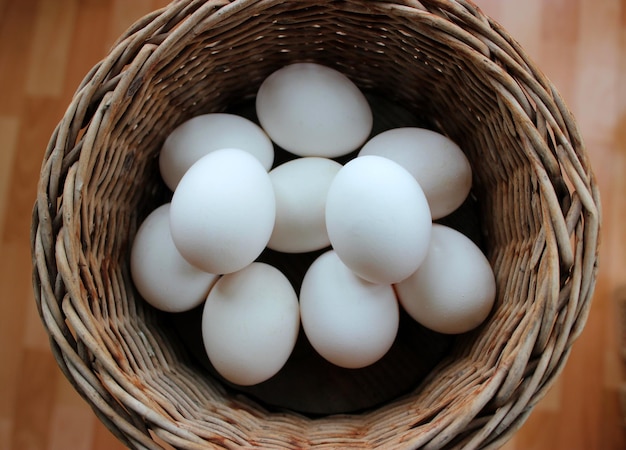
(250, 324)
(205, 133)
(377, 219)
(161, 275)
(223, 211)
(350, 322)
(437, 163)
(301, 186)
(454, 289)
(312, 110)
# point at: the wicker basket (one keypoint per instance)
(455, 71)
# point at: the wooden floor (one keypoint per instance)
(47, 46)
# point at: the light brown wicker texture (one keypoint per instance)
(458, 72)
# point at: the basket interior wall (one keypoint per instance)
(403, 59)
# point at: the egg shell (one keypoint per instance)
(301, 186)
(313, 110)
(377, 219)
(205, 133)
(250, 324)
(159, 272)
(223, 211)
(350, 322)
(454, 288)
(437, 163)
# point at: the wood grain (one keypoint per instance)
(47, 46)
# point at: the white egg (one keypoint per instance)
(454, 289)
(313, 110)
(250, 324)
(203, 134)
(301, 186)
(223, 211)
(161, 275)
(349, 321)
(437, 163)
(377, 219)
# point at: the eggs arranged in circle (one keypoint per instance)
(372, 219)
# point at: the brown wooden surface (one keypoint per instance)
(47, 46)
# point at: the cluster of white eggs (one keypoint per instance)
(374, 215)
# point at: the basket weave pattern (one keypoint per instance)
(458, 72)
